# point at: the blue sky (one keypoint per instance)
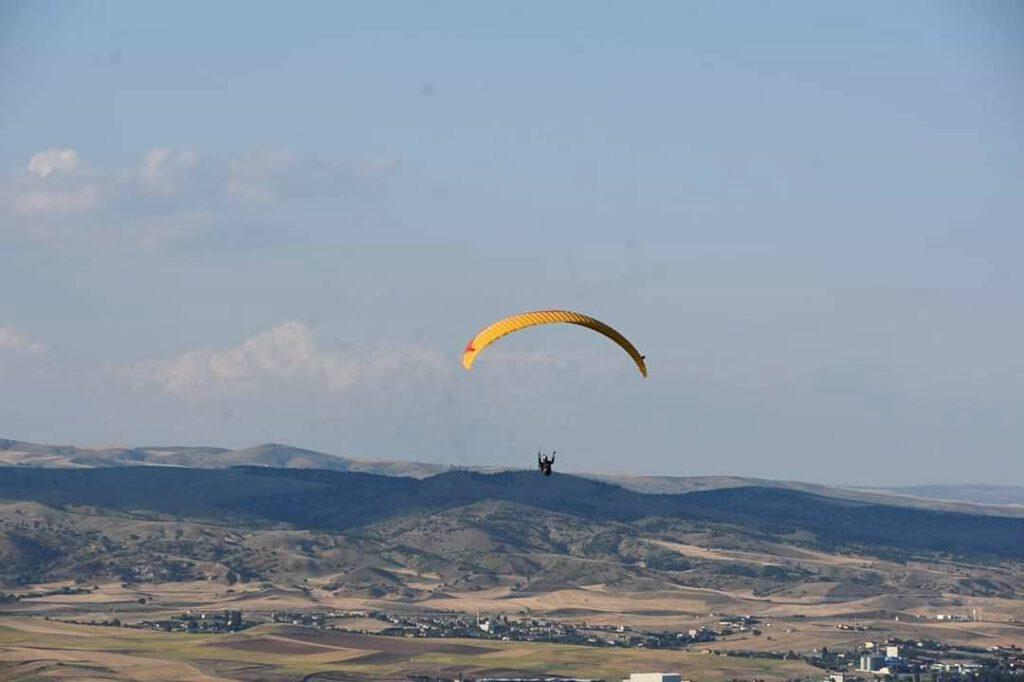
(231, 224)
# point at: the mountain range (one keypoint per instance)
(333, 529)
(986, 499)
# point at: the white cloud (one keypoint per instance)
(163, 170)
(18, 343)
(67, 200)
(44, 164)
(288, 354)
(56, 183)
(169, 196)
(114, 199)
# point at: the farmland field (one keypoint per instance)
(34, 649)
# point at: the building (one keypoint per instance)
(892, 651)
(871, 662)
(654, 677)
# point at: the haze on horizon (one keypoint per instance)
(229, 224)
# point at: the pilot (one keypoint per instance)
(544, 462)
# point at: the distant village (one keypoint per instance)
(889, 659)
(873, 660)
(509, 629)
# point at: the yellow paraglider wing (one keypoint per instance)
(522, 321)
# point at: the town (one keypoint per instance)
(892, 658)
(512, 629)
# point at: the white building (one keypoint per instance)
(892, 651)
(654, 677)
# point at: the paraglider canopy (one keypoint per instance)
(524, 320)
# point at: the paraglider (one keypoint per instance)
(544, 462)
(525, 320)
(522, 321)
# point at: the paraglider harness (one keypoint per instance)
(544, 462)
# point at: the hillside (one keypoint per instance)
(24, 454)
(330, 500)
(153, 542)
(465, 546)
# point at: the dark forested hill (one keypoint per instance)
(332, 500)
